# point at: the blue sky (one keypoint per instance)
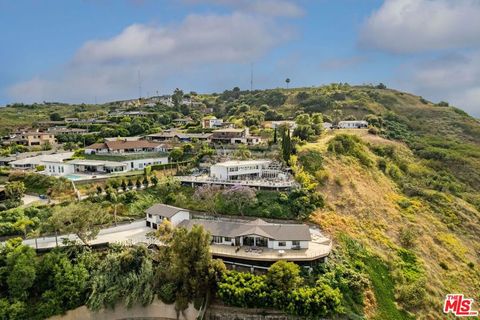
(94, 50)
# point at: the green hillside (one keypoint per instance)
(402, 198)
(406, 194)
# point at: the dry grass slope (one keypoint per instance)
(368, 206)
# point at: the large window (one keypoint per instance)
(296, 243)
(217, 239)
(282, 244)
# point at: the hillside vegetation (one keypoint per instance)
(401, 199)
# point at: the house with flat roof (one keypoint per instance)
(30, 163)
(31, 138)
(234, 136)
(278, 123)
(239, 170)
(211, 122)
(260, 174)
(175, 136)
(125, 146)
(355, 124)
(159, 212)
(64, 130)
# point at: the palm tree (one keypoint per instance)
(287, 81)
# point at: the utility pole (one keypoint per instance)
(139, 85)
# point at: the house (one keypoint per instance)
(125, 146)
(67, 131)
(32, 163)
(327, 125)
(211, 122)
(179, 136)
(235, 136)
(259, 174)
(257, 233)
(253, 243)
(288, 123)
(159, 212)
(31, 139)
(182, 121)
(356, 124)
(240, 170)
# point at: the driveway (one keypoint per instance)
(131, 233)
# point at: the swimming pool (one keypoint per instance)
(73, 177)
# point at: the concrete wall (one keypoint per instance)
(157, 310)
(179, 217)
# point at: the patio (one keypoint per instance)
(316, 250)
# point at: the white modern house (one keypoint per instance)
(259, 174)
(159, 212)
(240, 170)
(30, 163)
(355, 124)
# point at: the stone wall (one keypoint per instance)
(157, 310)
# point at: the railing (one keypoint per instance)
(260, 182)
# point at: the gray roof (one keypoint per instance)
(164, 210)
(276, 231)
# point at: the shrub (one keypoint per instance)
(318, 301)
(412, 295)
(382, 164)
(350, 145)
(166, 292)
(407, 237)
(373, 130)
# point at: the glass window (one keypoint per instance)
(228, 239)
(217, 239)
(295, 242)
(282, 244)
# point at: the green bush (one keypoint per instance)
(166, 292)
(349, 145)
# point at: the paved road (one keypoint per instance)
(128, 233)
(29, 199)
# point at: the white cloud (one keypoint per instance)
(407, 26)
(107, 69)
(454, 78)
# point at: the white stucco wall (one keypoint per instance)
(218, 172)
(179, 217)
(58, 169)
(142, 163)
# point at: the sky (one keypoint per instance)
(87, 51)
